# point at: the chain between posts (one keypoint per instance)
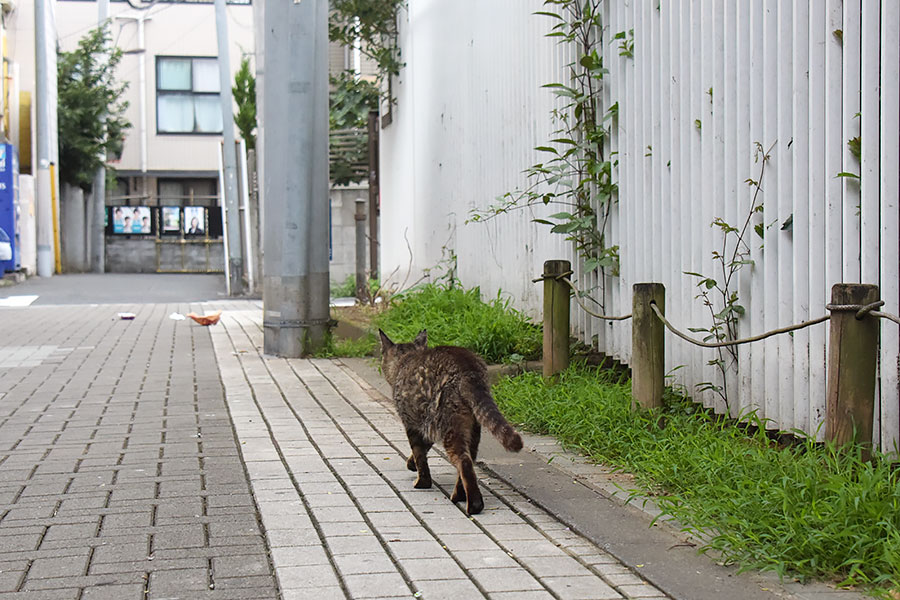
(755, 338)
(861, 311)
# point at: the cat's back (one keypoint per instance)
(433, 369)
(457, 359)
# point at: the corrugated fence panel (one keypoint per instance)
(889, 239)
(709, 87)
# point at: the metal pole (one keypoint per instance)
(245, 222)
(362, 288)
(295, 265)
(230, 205)
(373, 194)
(43, 116)
(96, 238)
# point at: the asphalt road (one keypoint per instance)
(116, 288)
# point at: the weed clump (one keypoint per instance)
(457, 317)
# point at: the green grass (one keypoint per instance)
(333, 347)
(347, 288)
(805, 510)
(458, 317)
(344, 289)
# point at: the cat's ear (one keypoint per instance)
(421, 340)
(385, 340)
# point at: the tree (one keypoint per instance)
(90, 109)
(350, 101)
(244, 92)
(372, 24)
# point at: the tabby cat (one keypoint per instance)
(442, 395)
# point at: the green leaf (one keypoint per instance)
(855, 146)
(788, 224)
(591, 264)
(847, 174)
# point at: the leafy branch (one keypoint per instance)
(577, 172)
(372, 24)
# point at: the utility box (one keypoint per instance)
(9, 205)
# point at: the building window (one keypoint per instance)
(187, 95)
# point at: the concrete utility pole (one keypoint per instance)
(295, 109)
(232, 214)
(44, 118)
(96, 236)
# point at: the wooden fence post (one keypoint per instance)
(556, 317)
(647, 345)
(852, 356)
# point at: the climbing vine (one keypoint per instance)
(576, 175)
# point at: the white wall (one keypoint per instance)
(470, 109)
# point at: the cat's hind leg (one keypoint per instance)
(457, 447)
(459, 491)
(420, 447)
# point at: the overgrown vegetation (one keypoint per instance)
(90, 110)
(458, 317)
(804, 510)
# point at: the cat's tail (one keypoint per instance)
(486, 412)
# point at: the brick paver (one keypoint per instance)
(120, 476)
(326, 458)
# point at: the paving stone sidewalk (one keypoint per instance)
(327, 465)
(120, 475)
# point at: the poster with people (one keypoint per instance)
(131, 220)
(171, 219)
(194, 221)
